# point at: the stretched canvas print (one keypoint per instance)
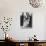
(26, 20)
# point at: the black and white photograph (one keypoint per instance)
(26, 20)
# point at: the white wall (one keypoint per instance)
(14, 8)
